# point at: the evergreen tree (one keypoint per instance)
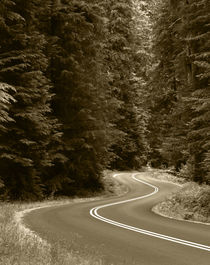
(180, 86)
(5, 100)
(166, 87)
(79, 81)
(121, 59)
(196, 31)
(25, 153)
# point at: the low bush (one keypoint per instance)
(191, 202)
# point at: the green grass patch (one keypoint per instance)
(191, 202)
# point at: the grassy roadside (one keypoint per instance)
(190, 202)
(20, 246)
(166, 176)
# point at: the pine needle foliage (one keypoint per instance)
(181, 86)
(79, 79)
(123, 59)
(74, 94)
(25, 150)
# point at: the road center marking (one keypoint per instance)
(94, 213)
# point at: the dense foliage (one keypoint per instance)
(180, 88)
(27, 143)
(88, 85)
(69, 95)
(124, 64)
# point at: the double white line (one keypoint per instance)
(94, 213)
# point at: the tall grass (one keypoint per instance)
(20, 246)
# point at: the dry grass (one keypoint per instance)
(191, 202)
(20, 246)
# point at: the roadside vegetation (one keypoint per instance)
(20, 246)
(190, 202)
(166, 175)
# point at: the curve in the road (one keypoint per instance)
(94, 213)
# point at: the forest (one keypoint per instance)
(89, 85)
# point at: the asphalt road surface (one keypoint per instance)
(124, 230)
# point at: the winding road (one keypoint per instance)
(124, 230)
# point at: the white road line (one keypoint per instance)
(94, 213)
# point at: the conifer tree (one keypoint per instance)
(79, 79)
(182, 74)
(197, 41)
(5, 100)
(166, 87)
(121, 60)
(25, 154)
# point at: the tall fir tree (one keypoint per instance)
(166, 88)
(182, 74)
(196, 32)
(25, 146)
(79, 79)
(5, 102)
(121, 59)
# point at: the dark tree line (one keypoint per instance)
(87, 85)
(180, 106)
(67, 92)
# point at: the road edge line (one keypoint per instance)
(94, 213)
